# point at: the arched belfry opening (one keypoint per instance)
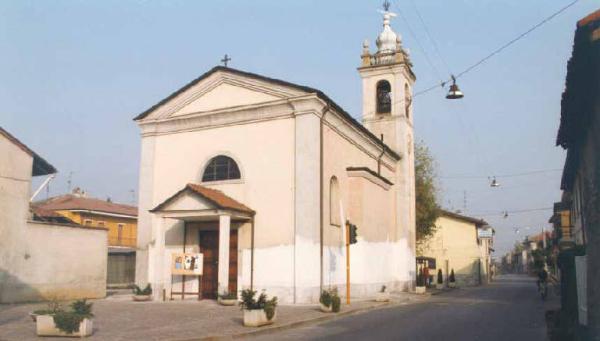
(384, 97)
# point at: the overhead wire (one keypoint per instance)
(433, 41)
(502, 175)
(500, 49)
(412, 33)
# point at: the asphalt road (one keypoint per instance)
(508, 309)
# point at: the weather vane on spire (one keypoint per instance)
(386, 5)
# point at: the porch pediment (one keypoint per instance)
(197, 200)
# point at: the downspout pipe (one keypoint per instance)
(380, 156)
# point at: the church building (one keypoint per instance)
(260, 176)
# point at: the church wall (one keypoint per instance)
(264, 153)
(382, 255)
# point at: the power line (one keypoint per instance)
(433, 41)
(501, 48)
(503, 175)
(505, 213)
(412, 33)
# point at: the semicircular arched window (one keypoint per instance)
(219, 168)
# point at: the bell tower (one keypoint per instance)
(387, 81)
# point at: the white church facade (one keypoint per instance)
(260, 175)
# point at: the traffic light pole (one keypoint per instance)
(347, 263)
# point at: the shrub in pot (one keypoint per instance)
(330, 301)
(440, 280)
(258, 312)
(75, 322)
(452, 280)
(383, 295)
(140, 295)
(228, 298)
(420, 289)
(53, 307)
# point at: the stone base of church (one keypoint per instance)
(310, 295)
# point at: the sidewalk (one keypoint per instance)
(118, 318)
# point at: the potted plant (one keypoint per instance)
(141, 295)
(76, 322)
(383, 295)
(228, 298)
(452, 280)
(258, 312)
(53, 307)
(325, 301)
(440, 280)
(420, 289)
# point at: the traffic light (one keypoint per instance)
(353, 233)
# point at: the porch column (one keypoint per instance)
(224, 228)
(157, 271)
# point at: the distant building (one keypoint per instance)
(42, 254)
(460, 243)
(119, 219)
(577, 216)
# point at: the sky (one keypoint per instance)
(75, 73)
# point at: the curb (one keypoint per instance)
(290, 325)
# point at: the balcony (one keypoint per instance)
(121, 241)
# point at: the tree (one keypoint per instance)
(426, 193)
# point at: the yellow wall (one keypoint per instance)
(128, 231)
(455, 241)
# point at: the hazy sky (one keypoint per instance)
(74, 74)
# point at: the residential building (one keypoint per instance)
(119, 219)
(460, 243)
(260, 175)
(577, 216)
(42, 255)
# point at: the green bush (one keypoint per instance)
(336, 304)
(249, 303)
(452, 279)
(139, 291)
(325, 298)
(68, 321)
(440, 278)
(383, 287)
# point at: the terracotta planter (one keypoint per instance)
(452, 284)
(420, 290)
(382, 296)
(227, 301)
(326, 309)
(142, 298)
(439, 286)
(257, 318)
(45, 327)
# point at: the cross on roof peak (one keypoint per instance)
(225, 60)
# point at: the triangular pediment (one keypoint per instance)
(219, 89)
(187, 201)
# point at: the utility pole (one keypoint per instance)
(347, 262)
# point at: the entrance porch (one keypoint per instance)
(201, 220)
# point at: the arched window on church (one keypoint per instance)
(384, 97)
(334, 202)
(407, 100)
(221, 167)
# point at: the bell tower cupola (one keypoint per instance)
(387, 81)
